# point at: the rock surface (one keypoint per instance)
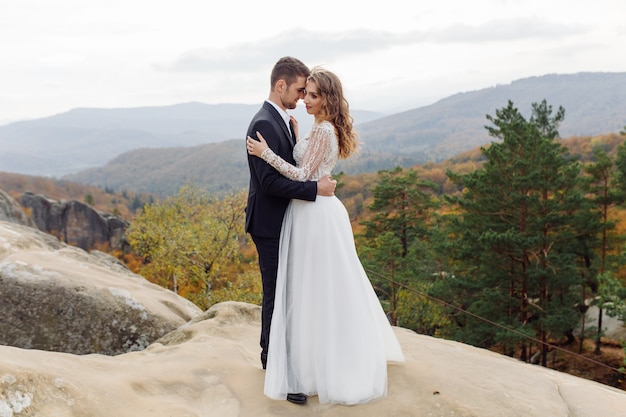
(60, 298)
(75, 222)
(210, 367)
(11, 211)
(57, 297)
(612, 327)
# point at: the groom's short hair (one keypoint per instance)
(289, 69)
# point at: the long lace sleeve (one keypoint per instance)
(319, 144)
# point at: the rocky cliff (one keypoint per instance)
(196, 364)
(57, 297)
(75, 223)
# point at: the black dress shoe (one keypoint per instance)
(264, 360)
(298, 398)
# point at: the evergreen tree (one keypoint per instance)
(620, 171)
(604, 193)
(393, 241)
(518, 233)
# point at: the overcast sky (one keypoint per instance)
(392, 55)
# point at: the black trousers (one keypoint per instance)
(267, 248)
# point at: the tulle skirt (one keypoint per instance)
(329, 334)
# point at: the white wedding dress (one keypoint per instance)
(329, 334)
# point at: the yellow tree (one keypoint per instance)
(189, 240)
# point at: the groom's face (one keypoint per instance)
(293, 93)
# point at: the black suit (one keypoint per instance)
(268, 196)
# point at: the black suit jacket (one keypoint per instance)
(269, 192)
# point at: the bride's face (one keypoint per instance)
(312, 99)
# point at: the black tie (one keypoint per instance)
(293, 133)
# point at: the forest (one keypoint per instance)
(505, 247)
(507, 252)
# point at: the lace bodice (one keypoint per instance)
(315, 155)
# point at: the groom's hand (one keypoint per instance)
(326, 186)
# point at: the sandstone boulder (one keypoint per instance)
(58, 297)
(210, 367)
(73, 222)
(612, 327)
(11, 211)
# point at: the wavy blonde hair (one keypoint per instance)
(336, 109)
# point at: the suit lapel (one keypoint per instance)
(281, 122)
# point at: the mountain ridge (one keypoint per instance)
(594, 102)
(85, 138)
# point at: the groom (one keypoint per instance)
(269, 192)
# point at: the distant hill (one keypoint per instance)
(143, 149)
(163, 174)
(595, 103)
(87, 138)
(218, 167)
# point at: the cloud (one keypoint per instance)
(311, 46)
(307, 45)
(62, 60)
(507, 30)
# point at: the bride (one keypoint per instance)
(329, 335)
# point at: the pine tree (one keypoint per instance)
(519, 231)
(604, 196)
(402, 208)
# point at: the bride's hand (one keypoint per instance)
(256, 147)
